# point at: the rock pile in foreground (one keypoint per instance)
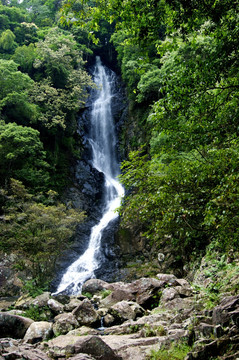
(119, 321)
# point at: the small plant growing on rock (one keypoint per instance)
(87, 294)
(133, 329)
(37, 314)
(150, 330)
(105, 293)
(175, 352)
(32, 289)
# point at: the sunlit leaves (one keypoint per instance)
(22, 155)
(7, 40)
(64, 91)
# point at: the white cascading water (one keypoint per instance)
(103, 143)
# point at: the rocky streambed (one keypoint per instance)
(120, 321)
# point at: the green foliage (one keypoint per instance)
(35, 313)
(14, 101)
(41, 13)
(36, 231)
(105, 293)
(87, 294)
(22, 156)
(64, 91)
(186, 192)
(7, 40)
(26, 33)
(220, 271)
(134, 328)
(13, 14)
(175, 352)
(149, 85)
(30, 288)
(153, 330)
(13, 82)
(49, 103)
(25, 57)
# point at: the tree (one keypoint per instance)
(38, 232)
(141, 20)
(25, 57)
(7, 41)
(14, 101)
(184, 193)
(22, 156)
(64, 91)
(56, 56)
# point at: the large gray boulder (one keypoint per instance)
(38, 331)
(67, 345)
(63, 323)
(85, 313)
(94, 286)
(13, 326)
(117, 295)
(74, 302)
(126, 310)
(55, 306)
(148, 291)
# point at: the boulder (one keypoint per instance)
(15, 350)
(13, 326)
(63, 323)
(38, 331)
(108, 320)
(122, 311)
(205, 329)
(184, 291)
(62, 298)
(6, 303)
(167, 278)
(148, 291)
(85, 313)
(126, 310)
(83, 330)
(169, 294)
(67, 345)
(221, 312)
(95, 346)
(74, 302)
(144, 291)
(94, 286)
(130, 347)
(178, 303)
(55, 306)
(61, 346)
(25, 301)
(116, 296)
(182, 282)
(10, 282)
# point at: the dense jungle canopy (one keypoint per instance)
(179, 62)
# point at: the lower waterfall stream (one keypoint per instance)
(102, 140)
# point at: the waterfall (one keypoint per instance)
(102, 140)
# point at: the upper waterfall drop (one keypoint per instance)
(102, 140)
